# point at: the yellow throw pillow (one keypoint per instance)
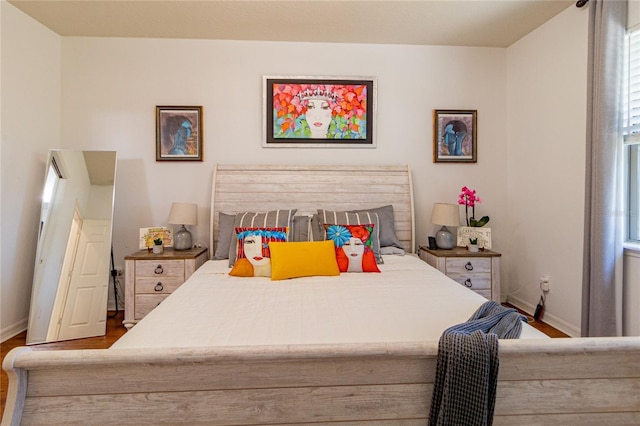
(302, 259)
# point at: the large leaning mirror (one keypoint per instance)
(71, 276)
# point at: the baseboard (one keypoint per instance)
(17, 328)
(13, 330)
(552, 320)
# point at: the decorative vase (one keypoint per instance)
(182, 239)
(444, 239)
(158, 249)
(473, 248)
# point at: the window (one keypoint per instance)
(50, 186)
(632, 136)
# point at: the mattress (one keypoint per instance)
(407, 301)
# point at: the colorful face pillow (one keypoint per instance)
(253, 258)
(354, 247)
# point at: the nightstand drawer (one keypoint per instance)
(479, 272)
(473, 281)
(151, 277)
(146, 303)
(160, 268)
(160, 285)
(468, 265)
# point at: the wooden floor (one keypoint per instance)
(541, 326)
(115, 330)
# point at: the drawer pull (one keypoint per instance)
(158, 287)
(468, 266)
(468, 283)
(158, 270)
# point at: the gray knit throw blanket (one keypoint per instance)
(464, 391)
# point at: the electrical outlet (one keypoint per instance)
(545, 283)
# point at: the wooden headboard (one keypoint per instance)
(258, 188)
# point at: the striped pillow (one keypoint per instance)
(270, 219)
(307, 228)
(347, 218)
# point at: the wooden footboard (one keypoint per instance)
(590, 381)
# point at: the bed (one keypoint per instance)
(408, 301)
(277, 361)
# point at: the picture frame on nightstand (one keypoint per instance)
(147, 235)
(467, 232)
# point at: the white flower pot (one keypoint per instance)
(158, 249)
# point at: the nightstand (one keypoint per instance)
(478, 271)
(150, 278)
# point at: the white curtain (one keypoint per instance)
(602, 276)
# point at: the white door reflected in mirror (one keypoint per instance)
(71, 276)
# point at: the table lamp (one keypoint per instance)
(445, 215)
(183, 214)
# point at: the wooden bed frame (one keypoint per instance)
(586, 381)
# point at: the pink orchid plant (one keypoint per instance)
(469, 198)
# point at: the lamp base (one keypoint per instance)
(182, 239)
(444, 239)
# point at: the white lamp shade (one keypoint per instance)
(183, 214)
(445, 214)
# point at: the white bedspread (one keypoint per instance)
(408, 301)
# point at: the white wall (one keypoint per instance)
(31, 120)
(102, 94)
(547, 82)
(111, 88)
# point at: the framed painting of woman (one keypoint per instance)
(318, 112)
(455, 136)
(179, 133)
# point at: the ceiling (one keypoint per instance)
(489, 23)
(100, 166)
